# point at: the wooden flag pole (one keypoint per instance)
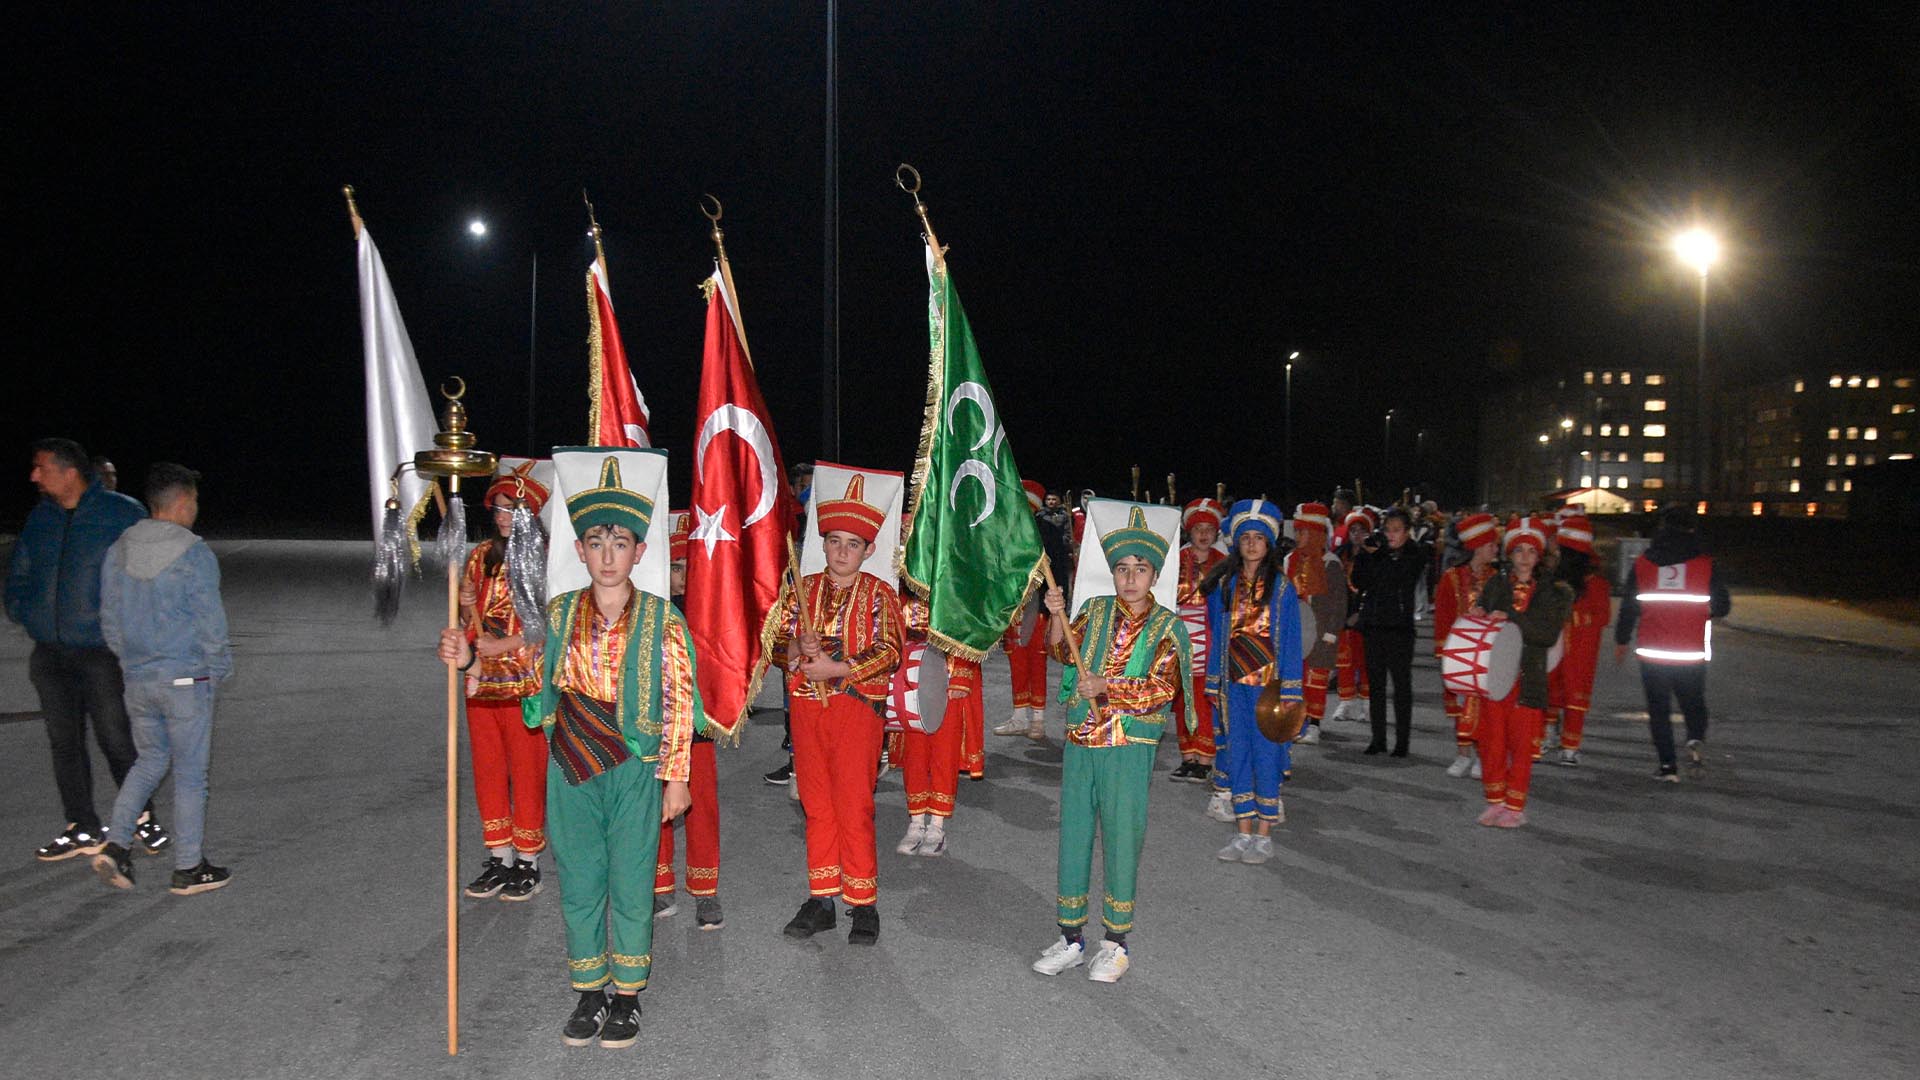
(453, 808)
(1066, 620)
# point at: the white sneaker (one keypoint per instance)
(1569, 757)
(1060, 956)
(1110, 964)
(1362, 708)
(935, 843)
(1460, 766)
(1037, 730)
(793, 788)
(1310, 736)
(1475, 771)
(1550, 738)
(916, 832)
(1236, 851)
(1260, 851)
(1343, 711)
(1015, 725)
(1220, 808)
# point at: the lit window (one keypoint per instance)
(1833, 485)
(1653, 483)
(1656, 405)
(1900, 410)
(1852, 461)
(1853, 383)
(1796, 461)
(1654, 457)
(1871, 434)
(1606, 377)
(1655, 380)
(1606, 481)
(1626, 430)
(1626, 378)
(1833, 459)
(1799, 386)
(1833, 434)
(1654, 431)
(1873, 383)
(1834, 381)
(1586, 455)
(1846, 485)
(1586, 481)
(1868, 460)
(1853, 433)
(1758, 508)
(1793, 486)
(1899, 457)
(1903, 383)
(1589, 378)
(1606, 431)
(1586, 429)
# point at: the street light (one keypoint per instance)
(1287, 465)
(477, 228)
(1386, 446)
(1699, 250)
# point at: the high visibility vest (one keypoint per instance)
(1674, 601)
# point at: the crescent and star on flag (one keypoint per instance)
(710, 527)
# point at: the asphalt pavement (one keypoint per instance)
(1762, 920)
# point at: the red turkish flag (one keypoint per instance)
(618, 413)
(742, 509)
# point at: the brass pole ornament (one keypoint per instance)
(900, 177)
(713, 215)
(453, 455)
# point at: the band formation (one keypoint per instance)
(598, 676)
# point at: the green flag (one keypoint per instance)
(973, 552)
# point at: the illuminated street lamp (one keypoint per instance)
(477, 227)
(1699, 250)
(1287, 466)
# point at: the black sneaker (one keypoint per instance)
(493, 877)
(203, 878)
(153, 838)
(706, 913)
(666, 905)
(623, 1022)
(866, 926)
(114, 866)
(1668, 774)
(814, 916)
(589, 1015)
(1182, 772)
(522, 883)
(74, 841)
(1202, 772)
(780, 776)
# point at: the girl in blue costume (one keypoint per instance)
(1253, 619)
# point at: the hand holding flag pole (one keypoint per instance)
(804, 621)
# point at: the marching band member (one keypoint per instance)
(703, 817)
(1459, 590)
(1254, 617)
(1028, 658)
(1320, 579)
(842, 637)
(930, 765)
(1511, 728)
(1136, 657)
(1201, 519)
(1350, 659)
(1592, 609)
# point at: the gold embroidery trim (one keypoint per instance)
(624, 960)
(589, 964)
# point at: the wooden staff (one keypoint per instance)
(1136, 483)
(1171, 499)
(1066, 620)
(453, 808)
(1220, 495)
(800, 607)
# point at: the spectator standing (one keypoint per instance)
(160, 613)
(53, 590)
(1673, 596)
(1386, 576)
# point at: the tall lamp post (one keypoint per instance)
(477, 228)
(1286, 492)
(1386, 448)
(1700, 249)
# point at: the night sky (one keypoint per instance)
(1146, 211)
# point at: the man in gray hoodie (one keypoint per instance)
(161, 615)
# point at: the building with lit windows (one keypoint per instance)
(1625, 431)
(1793, 443)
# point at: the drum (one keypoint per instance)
(1481, 658)
(917, 700)
(1194, 616)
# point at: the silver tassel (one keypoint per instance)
(451, 547)
(389, 566)
(527, 574)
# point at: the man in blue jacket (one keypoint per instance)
(161, 615)
(53, 590)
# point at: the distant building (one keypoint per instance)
(1794, 443)
(1626, 431)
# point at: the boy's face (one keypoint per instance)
(1203, 534)
(845, 553)
(679, 576)
(609, 553)
(1133, 579)
(1396, 531)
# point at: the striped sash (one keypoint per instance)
(586, 738)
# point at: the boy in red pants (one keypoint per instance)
(703, 817)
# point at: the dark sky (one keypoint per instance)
(1146, 211)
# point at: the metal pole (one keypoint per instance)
(1702, 455)
(1386, 450)
(830, 360)
(1286, 492)
(533, 356)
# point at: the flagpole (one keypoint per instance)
(726, 271)
(830, 365)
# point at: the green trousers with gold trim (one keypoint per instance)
(604, 835)
(1107, 787)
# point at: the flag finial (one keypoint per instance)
(900, 177)
(353, 211)
(713, 215)
(593, 230)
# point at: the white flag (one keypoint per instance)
(399, 414)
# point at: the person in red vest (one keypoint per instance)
(1592, 608)
(1672, 598)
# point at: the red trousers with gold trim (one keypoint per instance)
(1029, 665)
(509, 775)
(970, 713)
(1317, 682)
(836, 756)
(1199, 744)
(930, 765)
(1577, 669)
(1350, 658)
(703, 831)
(1509, 737)
(1465, 713)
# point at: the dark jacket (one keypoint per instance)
(1669, 547)
(53, 582)
(1386, 578)
(1540, 627)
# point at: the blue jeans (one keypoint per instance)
(172, 727)
(1664, 683)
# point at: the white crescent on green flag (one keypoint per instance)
(972, 551)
